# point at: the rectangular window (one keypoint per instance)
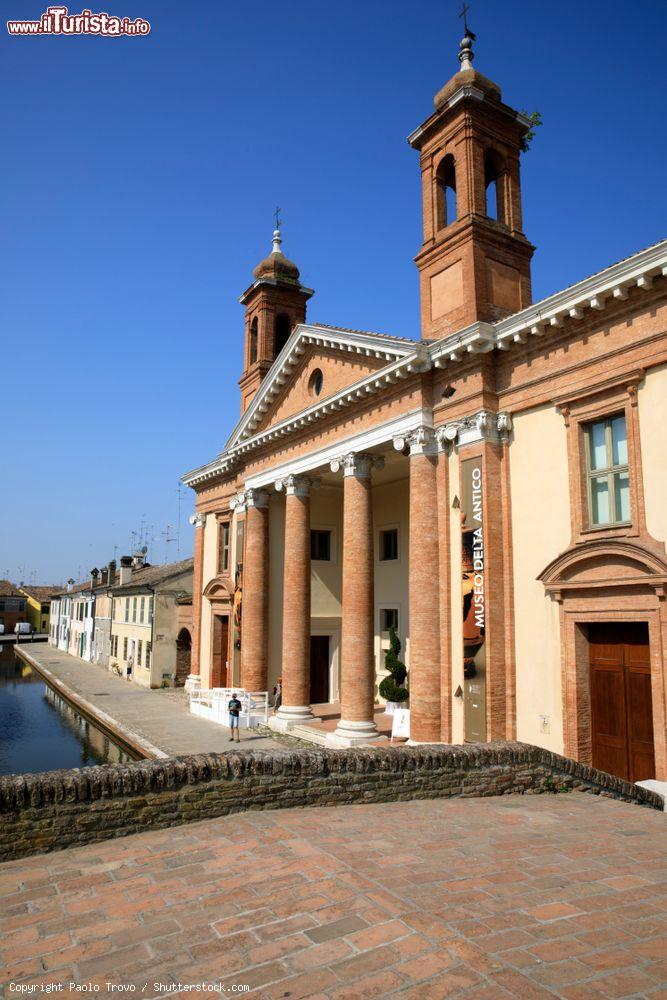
(134, 609)
(140, 645)
(125, 648)
(608, 478)
(320, 545)
(142, 609)
(127, 609)
(148, 655)
(150, 610)
(223, 547)
(389, 544)
(388, 619)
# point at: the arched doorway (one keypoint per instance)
(611, 597)
(183, 656)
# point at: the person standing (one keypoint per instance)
(278, 694)
(234, 709)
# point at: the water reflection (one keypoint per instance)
(39, 731)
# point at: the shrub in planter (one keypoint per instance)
(392, 687)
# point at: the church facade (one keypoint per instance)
(496, 491)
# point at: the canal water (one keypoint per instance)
(39, 731)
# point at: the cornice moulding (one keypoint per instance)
(554, 312)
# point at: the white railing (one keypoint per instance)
(212, 704)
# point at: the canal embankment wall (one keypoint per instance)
(60, 809)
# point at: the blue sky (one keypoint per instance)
(139, 179)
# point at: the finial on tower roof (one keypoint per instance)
(276, 232)
(466, 53)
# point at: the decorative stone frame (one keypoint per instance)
(600, 402)
(220, 598)
(608, 581)
(615, 573)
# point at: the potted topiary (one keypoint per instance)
(392, 687)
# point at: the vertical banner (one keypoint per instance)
(474, 599)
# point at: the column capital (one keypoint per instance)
(257, 498)
(198, 520)
(358, 464)
(294, 486)
(237, 503)
(422, 441)
(447, 434)
(504, 424)
(485, 425)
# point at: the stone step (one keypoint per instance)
(311, 734)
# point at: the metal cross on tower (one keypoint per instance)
(464, 12)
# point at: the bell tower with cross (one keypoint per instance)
(274, 303)
(474, 264)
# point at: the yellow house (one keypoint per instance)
(38, 606)
(145, 620)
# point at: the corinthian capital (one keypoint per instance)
(294, 486)
(421, 441)
(358, 464)
(447, 434)
(504, 423)
(237, 503)
(257, 498)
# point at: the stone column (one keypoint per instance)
(423, 589)
(194, 679)
(357, 724)
(255, 627)
(295, 706)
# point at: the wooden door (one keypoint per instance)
(319, 669)
(621, 704)
(220, 651)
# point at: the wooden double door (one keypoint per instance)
(621, 703)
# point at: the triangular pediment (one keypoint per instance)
(340, 358)
(321, 369)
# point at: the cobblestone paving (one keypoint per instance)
(530, 897)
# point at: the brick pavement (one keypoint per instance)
(530, 897)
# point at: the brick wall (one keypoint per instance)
(45, 812)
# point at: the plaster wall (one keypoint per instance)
(652, 401)
(391, 509)
(540, 531)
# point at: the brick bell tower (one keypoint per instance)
(474, 263)
(274, 303)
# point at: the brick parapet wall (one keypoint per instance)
(60, 809)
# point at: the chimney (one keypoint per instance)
(112, 572)
(70, 584)
(125, 570)
(104, 576)
(94, 574)
(138, 560)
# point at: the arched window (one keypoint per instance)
(493, 178)
(253, 341)
(282, 330)
(446, 192)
